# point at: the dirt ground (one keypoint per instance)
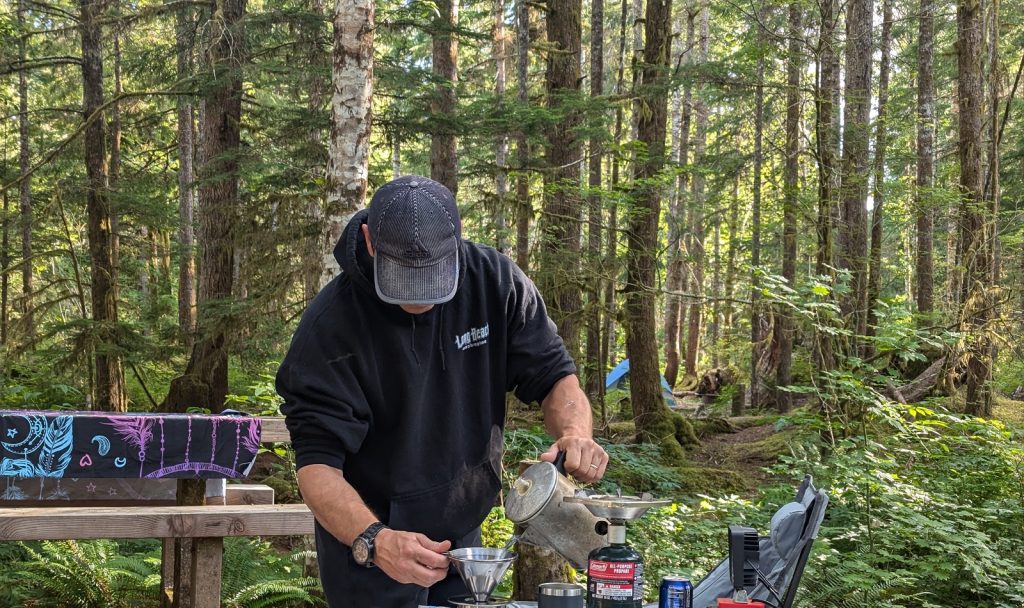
(747, 451)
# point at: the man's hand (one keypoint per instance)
(585, 459)
(410, 557)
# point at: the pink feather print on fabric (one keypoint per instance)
(137, 432)
(251, 441)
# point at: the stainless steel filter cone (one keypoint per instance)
(481, 568)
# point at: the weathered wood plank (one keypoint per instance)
(207, 554)
(273, 430)
(249, 494)
(78, 523)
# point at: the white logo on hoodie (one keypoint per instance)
(476, 336)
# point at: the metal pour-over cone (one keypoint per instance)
(481, 568)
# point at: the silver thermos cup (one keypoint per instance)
(559, 595)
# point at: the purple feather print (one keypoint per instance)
(137, 432)
(251, 441)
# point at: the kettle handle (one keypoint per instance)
(560, 462)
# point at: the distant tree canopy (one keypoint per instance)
(784, 189)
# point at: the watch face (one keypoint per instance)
(360, 551)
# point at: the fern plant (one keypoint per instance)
(89, 575)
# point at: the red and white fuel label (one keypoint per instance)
(616, 580)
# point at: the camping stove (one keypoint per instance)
(615, 574)
(468, 601)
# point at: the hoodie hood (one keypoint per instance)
(355, 260)
(350, 252)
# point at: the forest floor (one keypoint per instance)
(746, 451)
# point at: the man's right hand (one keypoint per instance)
(410, 557)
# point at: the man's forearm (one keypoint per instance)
(334, 502)
(567, 410)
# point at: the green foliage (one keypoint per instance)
(495, 532)
(89, 575)
(108, 574)
(927, 511)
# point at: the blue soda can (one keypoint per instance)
(675, 592)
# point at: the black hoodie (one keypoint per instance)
(412, 407)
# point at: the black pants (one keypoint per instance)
(349, 585)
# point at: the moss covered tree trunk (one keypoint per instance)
(653, 420)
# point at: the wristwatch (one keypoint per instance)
(362, 547)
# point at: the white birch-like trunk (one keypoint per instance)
(352, 80)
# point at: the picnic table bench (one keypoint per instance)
(86, 475)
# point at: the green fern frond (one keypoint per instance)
(276, 594)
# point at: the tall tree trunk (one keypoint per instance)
(878, 193)
(116, 136)
(652, 420)
(608, 342)
(976, 225)
(314, 216)
(785, 326)
(501, 144)
(559, 276)
(115, 145)
(5, 262)
(205, 382)
(856, 134)
(730, 256)
(109, 375)
(595, 371)
(675, 312)
(925, 212)
(443, 159)
(756, 346)
(716, 286)
(700, 107)
(991, 188)
(524, 210)
(25, 186)
(352, 83)
(186, 180)
(827, 135)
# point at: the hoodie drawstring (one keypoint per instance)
(412, 341)
(440, 337)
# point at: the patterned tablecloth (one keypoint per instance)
(93, 445)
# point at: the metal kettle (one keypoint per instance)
(535, 502)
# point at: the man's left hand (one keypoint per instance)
(585, 459)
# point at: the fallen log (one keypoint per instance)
(919, 387)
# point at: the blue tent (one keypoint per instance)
(618, 377)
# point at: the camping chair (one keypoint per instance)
(784, 553)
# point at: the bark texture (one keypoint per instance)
(652, 418)
(878, 193)
(501, 143)
(349, 150)
(679, 220)
(594, 383)
(205, 382)
(445, 66)
(756, 332)
(697, 251)
(109, 388)
(975, 224)
(856, 135)
(25, 187)
(186, 187)
(827, 135)
(784, 328)
(524, 209)
(925, 213)
(560, 247)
